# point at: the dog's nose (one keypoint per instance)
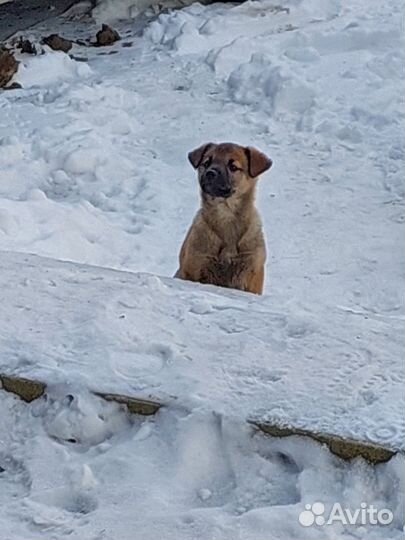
(212, 174)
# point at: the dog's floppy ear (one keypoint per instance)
(257, 161)
(196, 156)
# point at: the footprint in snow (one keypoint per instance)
(68, 499)
(15, 478)
(298, 330)
(144, 362)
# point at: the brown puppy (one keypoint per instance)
(225, 244)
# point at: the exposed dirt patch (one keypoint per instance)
(106, 36)
(58, 43)
(8, 66)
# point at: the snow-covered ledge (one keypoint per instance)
(330, 374)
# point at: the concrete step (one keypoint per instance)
(147, 342)
(347, 449)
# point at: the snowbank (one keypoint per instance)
(203, 347)
(51, 68)
(263, 86)
(79, 466)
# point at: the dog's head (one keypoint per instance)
(228, 169)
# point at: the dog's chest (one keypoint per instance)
(225, 269)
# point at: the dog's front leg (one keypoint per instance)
(247, 276)
(252, 256)
(249, 271)
(254, 280)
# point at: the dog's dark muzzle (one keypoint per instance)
(216, 183)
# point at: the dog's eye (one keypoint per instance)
(207, 163)
(233, 167)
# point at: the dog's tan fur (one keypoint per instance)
(225, 244)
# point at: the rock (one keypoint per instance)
(106, 36)
(8, 66)
(26, 46)
(58, 43)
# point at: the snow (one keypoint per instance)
(93, 170)
(50, 68)
(107, 11)
(203, 349)
(179, 475)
